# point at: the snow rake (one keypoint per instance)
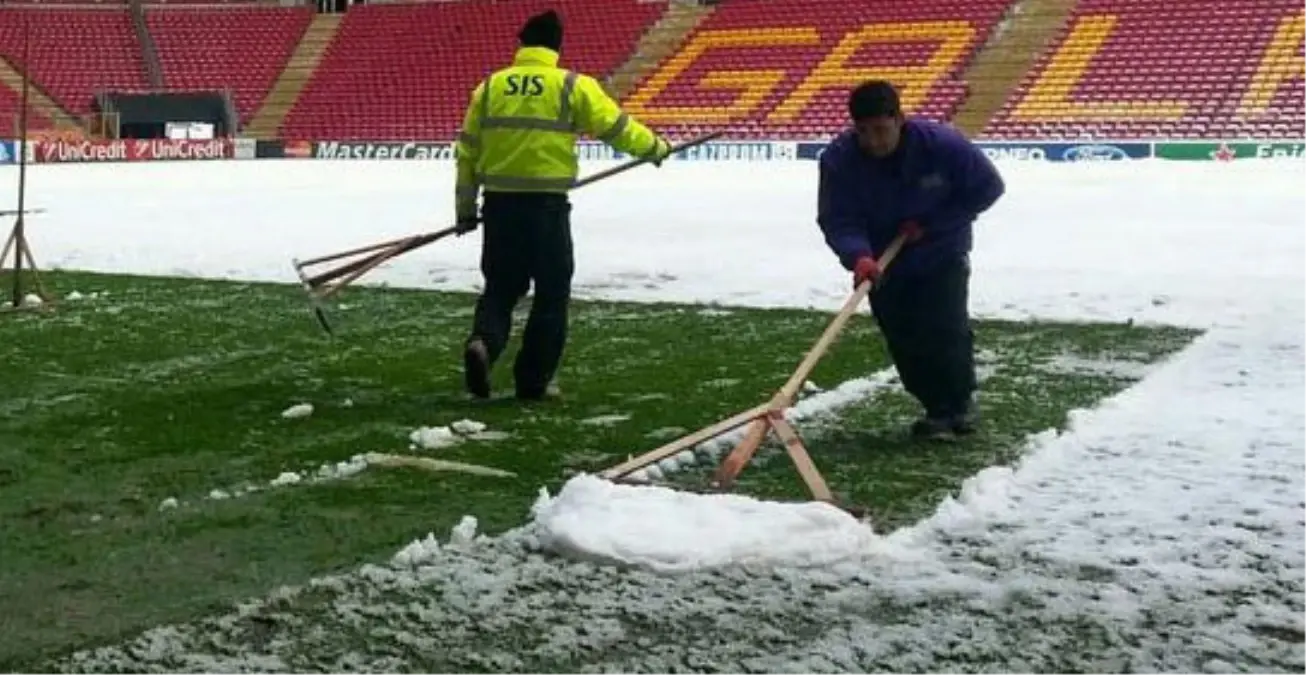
(769, 416)
(326, 283)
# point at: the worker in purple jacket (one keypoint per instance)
(889, 175)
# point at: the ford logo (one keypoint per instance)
(1093, 153)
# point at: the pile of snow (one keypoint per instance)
(424, 550)
(435, 438)
(653, 527)
(297, 411)
(432, 438)
(468, 427)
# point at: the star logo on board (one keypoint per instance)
(1224, 153)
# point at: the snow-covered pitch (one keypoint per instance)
(1189, 482)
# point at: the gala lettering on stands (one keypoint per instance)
(131, 150)
(754, 91)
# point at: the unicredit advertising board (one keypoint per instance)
(131, 150)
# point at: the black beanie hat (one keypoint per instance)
(542, 30)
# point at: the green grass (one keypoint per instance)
(1031, 375)
(174, 387)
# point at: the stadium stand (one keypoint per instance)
(1165, 68)
(74, 52)
(241, 48)
(762, 68)
(414, 83)
(794, 60)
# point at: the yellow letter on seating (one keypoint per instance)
(755, 85)
(1049, 99)
(1280, 62)
(913, 81)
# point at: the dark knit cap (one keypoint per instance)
(542, 30)
(874, 98)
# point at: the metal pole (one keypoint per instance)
(20, 238)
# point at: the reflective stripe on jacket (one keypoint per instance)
(519, 132)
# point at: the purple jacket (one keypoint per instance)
(936, 177)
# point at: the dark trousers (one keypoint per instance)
(925, 321)
(527, 238)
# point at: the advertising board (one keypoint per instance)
(725, 151)
(1086, 151)
(381, 150)
(1227, 152)
(131, 150)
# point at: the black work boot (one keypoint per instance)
(476, 368)
(933, 429)
(527, 393)
(966, 422)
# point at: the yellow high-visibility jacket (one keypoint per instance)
(519, 132)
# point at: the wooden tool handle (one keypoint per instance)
(608, 173)
(789, 391)
(685, 442)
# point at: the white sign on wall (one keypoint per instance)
(192, 131)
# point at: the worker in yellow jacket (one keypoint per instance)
(518, 147)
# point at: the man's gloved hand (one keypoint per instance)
(865, 269)
(466, 216)
(466, 208)
(466, 223)
(661, 150)
(911, 231)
